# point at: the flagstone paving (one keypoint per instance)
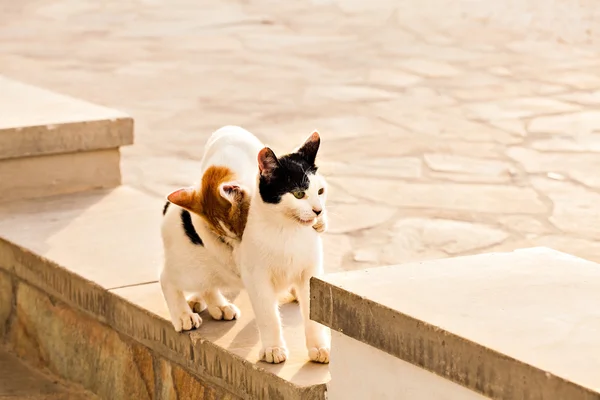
(449, 127)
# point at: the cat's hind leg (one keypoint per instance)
(182, 316)
(288, 296)
(219, 307)
(196, 303)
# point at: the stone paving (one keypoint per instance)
(449, 127)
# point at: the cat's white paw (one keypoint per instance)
(274, 355)
(227, 312)
(319, 354)
(321, 225)
(186, 321)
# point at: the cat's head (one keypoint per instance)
(221, 201)
(291, 182)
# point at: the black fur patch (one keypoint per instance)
(188, 227)
(166, 207)
(291, 175)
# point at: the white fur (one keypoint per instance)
(205, 270)
(277, 252)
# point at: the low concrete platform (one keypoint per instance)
(52, 144)
(35, 121)
(78, 294)
(518, 325)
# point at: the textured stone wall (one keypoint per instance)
(50, 334)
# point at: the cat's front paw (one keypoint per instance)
(319, 354)
(321, 225)
(186, 321)
(274, 355)
(227, 312)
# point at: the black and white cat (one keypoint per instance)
(280, 248)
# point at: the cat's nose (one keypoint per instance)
(318, 212)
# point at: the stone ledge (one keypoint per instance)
(507, 325)
(35, 122)
(99, 254)
(41, 176)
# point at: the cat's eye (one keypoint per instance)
(321, 191)
(299, 194)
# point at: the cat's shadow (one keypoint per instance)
(247, 339)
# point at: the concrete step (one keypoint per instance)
(52, 144)
(79, 296)
(519, 325)
(18, 380)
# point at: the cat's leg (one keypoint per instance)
(182, 316)
(264, 301)
(196, 303)
(219, 307)
(288, 296)
(318, 341)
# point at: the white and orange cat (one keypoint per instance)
(252, 223)
(201, 226)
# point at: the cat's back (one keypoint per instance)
(235, 148)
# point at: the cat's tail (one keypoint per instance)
(288, 297)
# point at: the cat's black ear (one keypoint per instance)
(267, 162)
(309, 149)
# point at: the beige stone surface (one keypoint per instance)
(34, 121)
(429, 68)
(437, 238)
(501, 199)
(120, 227)
(591, 98)
(345, 218)
(499, 323)
(580, 167)
(575, 208)
(460, 79)
(48, 175)
(517, 108)
(468, 169)
(581, 124)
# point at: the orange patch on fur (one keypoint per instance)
(220, 201)
(215, 209)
